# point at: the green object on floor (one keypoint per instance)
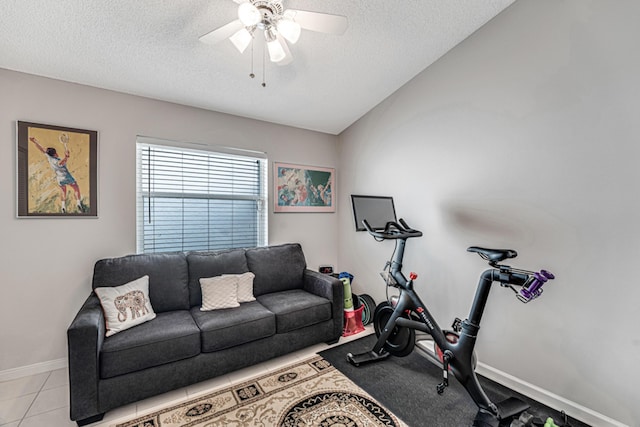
(550, 423)
(348, 299)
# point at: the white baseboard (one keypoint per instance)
(36, 368)
(572, 409)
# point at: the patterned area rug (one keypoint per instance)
(308, 393)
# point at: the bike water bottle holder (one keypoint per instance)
(533, 288)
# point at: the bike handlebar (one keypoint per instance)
(393, 230)
(530, 282)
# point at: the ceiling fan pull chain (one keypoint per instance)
(264, 60)
(251, 74)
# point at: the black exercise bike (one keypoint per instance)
(397, 320)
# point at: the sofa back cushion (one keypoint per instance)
(168, 277)
(212, 264)
(277, 268)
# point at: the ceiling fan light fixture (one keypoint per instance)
(241, 39)
(289, 29)
(249, 14)
(267, 22)
(276, 51)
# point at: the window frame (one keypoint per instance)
(190, 195)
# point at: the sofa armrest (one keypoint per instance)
(328, 287)
(85, 336)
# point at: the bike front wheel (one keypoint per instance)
(402, 339)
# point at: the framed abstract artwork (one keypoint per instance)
(300, 188)
(57, 171)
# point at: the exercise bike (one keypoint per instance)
(397, 320)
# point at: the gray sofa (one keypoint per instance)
(295, 308)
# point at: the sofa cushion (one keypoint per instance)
(169, 337)
(277, 268)
(296, 309)
(234, 326)
(125, 306)
(210, 264)
(168, 277)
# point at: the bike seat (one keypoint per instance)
(493, 255)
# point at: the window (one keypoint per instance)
(193, 200)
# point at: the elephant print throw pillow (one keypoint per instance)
(126, 306)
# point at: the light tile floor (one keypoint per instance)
(42, 400)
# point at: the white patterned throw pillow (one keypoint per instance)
(126, 306)
(245, 286)
(219, 292)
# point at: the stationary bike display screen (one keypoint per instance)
(377, 210)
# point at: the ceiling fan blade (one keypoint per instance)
(320, 22)
(222, 33)
(288, 58)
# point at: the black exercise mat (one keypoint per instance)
(407, 387)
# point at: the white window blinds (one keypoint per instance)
(192, 200)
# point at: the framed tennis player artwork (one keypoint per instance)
(300, 188)
(57, 171)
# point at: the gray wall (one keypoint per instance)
(524, 136)
(46, 265)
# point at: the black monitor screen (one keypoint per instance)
(377, 210)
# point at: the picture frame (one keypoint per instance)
(299, 188)
(56, 171)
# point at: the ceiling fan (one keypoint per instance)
(277, 25)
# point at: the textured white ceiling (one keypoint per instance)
(151, 48)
